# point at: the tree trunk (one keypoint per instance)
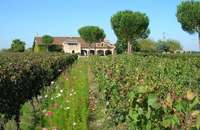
(199, 39)
(89, 52)
(89, 49)
(129, 47)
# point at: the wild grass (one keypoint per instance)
(66, 102)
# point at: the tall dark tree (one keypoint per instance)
(18, 45)
(91, 34)
(130, 26)
(47, 40)
(188, 14)
(121, 46)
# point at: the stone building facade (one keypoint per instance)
(79, 46)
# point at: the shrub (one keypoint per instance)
(40, 48)
(55, 48)
(2, 121)
(146, 45)
(168, 46)
(31, 115)
(17, 46)
(11, 125)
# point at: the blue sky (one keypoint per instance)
(25, 19)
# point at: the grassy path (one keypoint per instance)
(74, 101)
(68, 105)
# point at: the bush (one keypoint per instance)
(17, 46)
(11, 125)
(55, 48)
(146, 45)
(2, 121)
(31, 115)
(150, 92)
(22, 76)
(40, 48)
(169, 46)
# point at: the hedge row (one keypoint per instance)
(148, 92)
(49, 48)
(22, 76)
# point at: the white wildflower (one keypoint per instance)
(74, 124)
(61, 91)
(107, 103)
(44, 111)
(58, 95)
(70, 94)
(46, 96)
(66, 108)
(52, 82)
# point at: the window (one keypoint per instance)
(72, 44)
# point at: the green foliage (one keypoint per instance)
(27, 117)
(24, 75)
(149, 92)
(168, 46)
(11, 125)
(92, 34)
(5, 50)
(121, 46)
(31, 115)
(47, 39)
(40, 48)
(17, 45)
(188, 14)
(130, 26)
(55, 48)
(146, 45)
(29, 50)
(2, 121)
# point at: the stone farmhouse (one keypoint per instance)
(79, 46)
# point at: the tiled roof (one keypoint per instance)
(61, 40)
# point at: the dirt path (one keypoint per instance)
(98, 119)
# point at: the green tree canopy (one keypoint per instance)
(47, 39)
(91, 34)
(168, 45)
(130, 26)
(146, 45)
(188, 14)
(18, 45)
(121, 46)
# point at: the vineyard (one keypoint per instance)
(150, 92)
(119, 92)
(22, 76)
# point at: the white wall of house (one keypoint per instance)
(72, 47)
